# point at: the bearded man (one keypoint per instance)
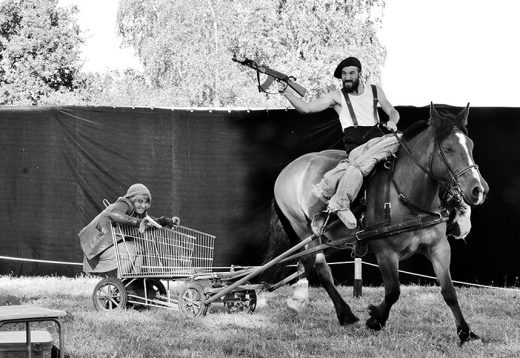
(365, 143)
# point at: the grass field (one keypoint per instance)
(420, 324)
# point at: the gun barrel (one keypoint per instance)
(274, 73)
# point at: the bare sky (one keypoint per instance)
(102, 50)
(445, 51)
(452, 52)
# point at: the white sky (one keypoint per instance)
(102, 50)
(452, 52)
(445, 51)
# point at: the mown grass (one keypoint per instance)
(420, 324)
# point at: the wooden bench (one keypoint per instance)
(31, 313)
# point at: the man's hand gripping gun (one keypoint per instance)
(271, 76)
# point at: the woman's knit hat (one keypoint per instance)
(138, 189)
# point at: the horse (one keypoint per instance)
(435, 155)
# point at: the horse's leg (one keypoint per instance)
(343, 311)
(388, 266)
(300, 295)
(440, 256)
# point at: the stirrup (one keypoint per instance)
(359, 248)
(319, 222)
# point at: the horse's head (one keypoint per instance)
(453, 160)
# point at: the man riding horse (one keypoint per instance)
(356, 106)
(366, 141)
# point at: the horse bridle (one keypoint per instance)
(452, 185)
(454, 175)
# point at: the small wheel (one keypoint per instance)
(109, 294)
(240, 301)
(191, 300)
(154, 287)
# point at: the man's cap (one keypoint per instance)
(349, 61)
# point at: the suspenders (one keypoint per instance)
(351, 109)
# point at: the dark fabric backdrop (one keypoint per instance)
(214, 169)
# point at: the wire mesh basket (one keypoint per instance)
(165, 252)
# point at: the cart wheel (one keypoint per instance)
(109, 294)
(241, 301)
(191, 300)
(154, 287)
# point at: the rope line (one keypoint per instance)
(41, 261)
(246, 267)
(454, 281)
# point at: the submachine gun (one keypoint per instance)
(271, 76)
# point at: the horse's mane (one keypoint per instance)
(415, 129)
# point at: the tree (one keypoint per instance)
(186, 46)
(179, 45)
(39, 52)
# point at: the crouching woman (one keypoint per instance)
(96, 238)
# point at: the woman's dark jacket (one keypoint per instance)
(96, 237)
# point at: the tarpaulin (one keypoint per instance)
(215, 169)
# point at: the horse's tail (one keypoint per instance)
(281, 238)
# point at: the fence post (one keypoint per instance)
(358, 280)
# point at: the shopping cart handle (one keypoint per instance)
(153, 222)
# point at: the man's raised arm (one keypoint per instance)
(316, 105)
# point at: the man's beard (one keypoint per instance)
(350, 86)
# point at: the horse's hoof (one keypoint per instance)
(374, 324)
(373, 311)
(296, 306)
(467, 336)
(351, 320)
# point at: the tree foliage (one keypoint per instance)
(186, 46)
(39, 52)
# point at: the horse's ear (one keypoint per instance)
(434, 116)
(462, 117)
(433, 111)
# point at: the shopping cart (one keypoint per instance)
(148, 262)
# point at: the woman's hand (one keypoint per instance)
(146, 223)
(143, 225)
(165, 221)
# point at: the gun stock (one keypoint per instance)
(299, 89)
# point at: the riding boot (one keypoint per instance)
(300, 296)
